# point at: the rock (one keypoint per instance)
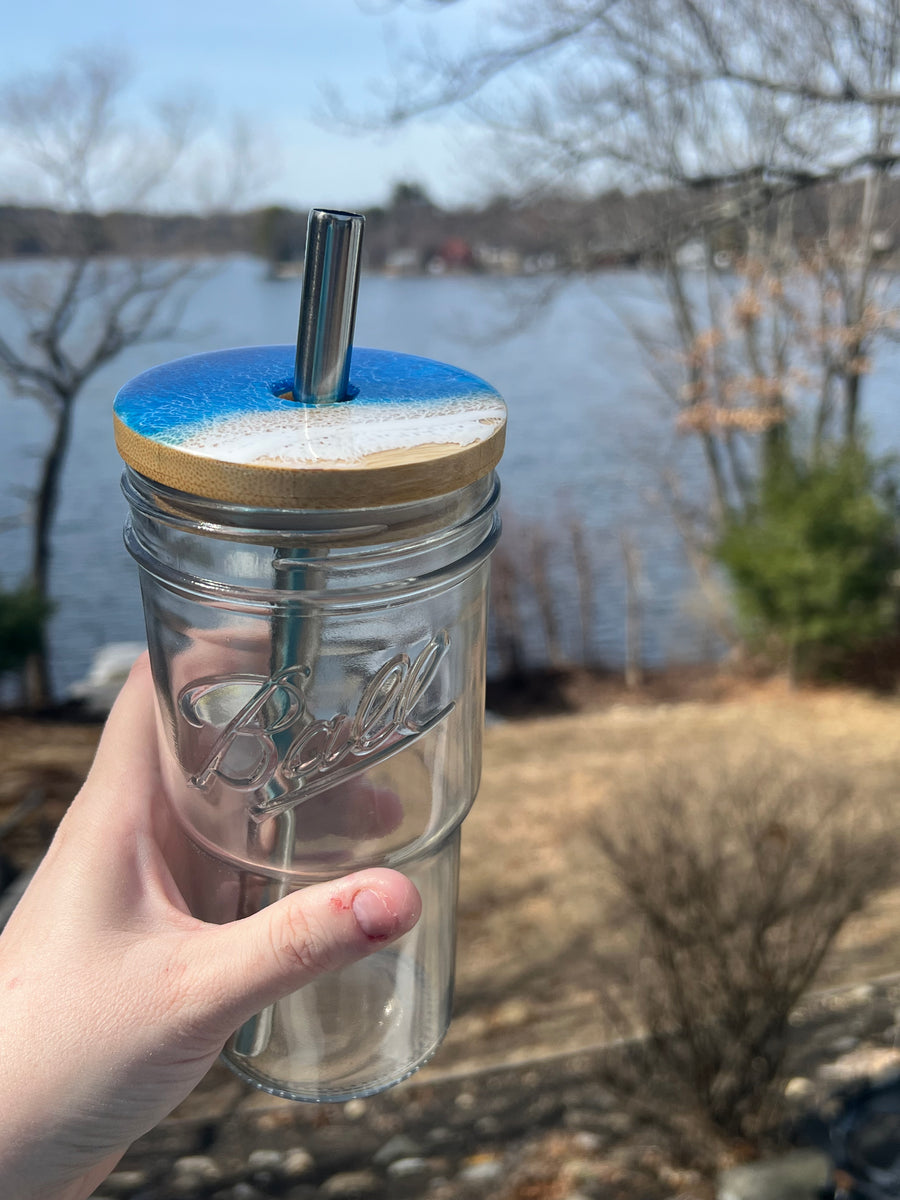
(441, 1137)
(108, 672)
(123, 1183)
(589, 1143)
(297, 1163)
(399, 1146)
(265, 1160)
(185, 1185)
(354, 1109)
(799, 1088)
(352, 1185)
(487, 1127)
(194, 1169)
(246, 1191)
(800, 1175)
(344, 1146)
(407, 1168)
(481, 1168)
(866, 1062)
(844, 1045)
(403, 1167)
(466, 1101)
(266, 1167)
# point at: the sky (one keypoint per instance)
(272, 60)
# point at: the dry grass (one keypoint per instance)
(53, 757)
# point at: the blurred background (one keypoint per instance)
(668, 231)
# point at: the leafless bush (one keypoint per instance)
(543, 584)
(506, 633)
(739, 871)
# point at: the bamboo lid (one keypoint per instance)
(225, 426)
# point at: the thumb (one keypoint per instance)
(243, 967)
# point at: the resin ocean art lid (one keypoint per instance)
(225, 426)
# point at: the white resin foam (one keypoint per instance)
(343, 434)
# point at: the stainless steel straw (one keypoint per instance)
(321, 376)
(328, 306)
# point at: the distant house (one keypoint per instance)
(453, 254)
(499, 259)
(402, 261)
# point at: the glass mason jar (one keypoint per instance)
(320, 682)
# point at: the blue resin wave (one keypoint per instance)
(229, 405)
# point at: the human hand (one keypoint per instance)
(114, 1000)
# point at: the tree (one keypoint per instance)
(814, 560)
(280, 236)
(22, 619)
(74, 144)
(762, 134)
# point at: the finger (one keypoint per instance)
(127, 758)
(124, 777)
(243, 967)
(109, 840)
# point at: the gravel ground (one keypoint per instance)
(548, 1129)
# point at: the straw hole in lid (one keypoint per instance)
(284, 391)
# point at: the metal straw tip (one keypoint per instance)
(328, 306)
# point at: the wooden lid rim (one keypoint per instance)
(219, 426)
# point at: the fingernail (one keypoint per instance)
(372, 914)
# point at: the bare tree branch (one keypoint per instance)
(90, 151)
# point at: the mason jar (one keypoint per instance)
(314, 587)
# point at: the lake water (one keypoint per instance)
(589, 435)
